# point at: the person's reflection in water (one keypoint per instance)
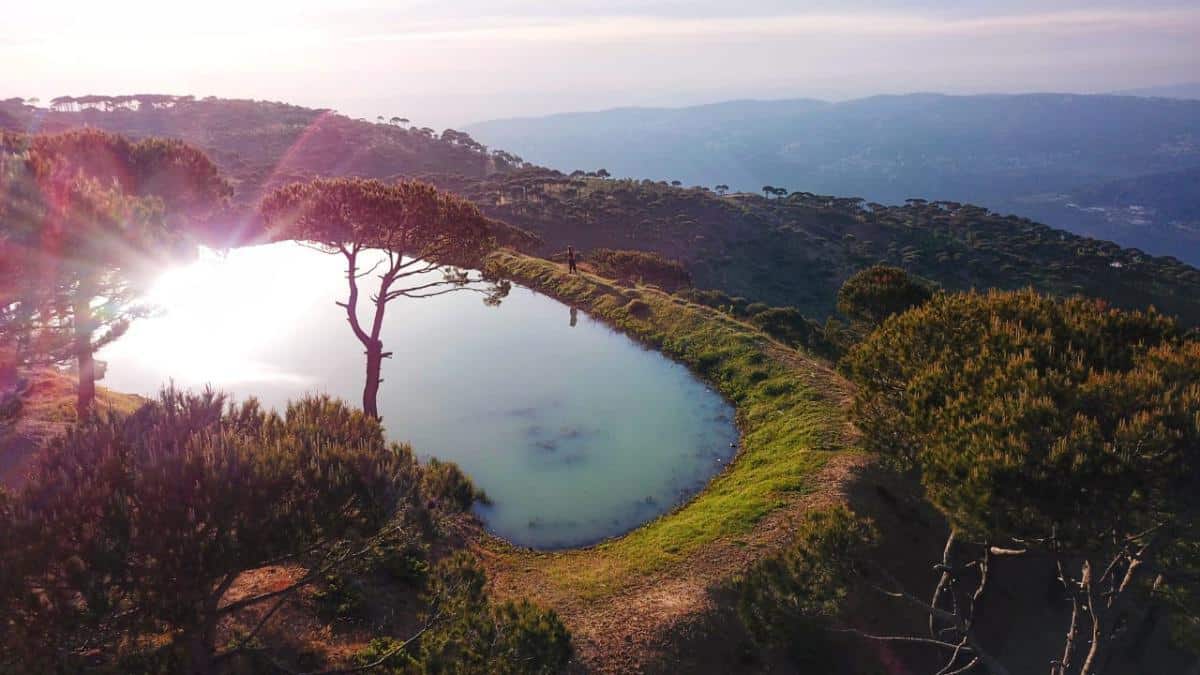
(574, 316)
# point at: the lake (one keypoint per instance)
(576, 432)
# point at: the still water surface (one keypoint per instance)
(576, 432)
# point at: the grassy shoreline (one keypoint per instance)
(788, 410)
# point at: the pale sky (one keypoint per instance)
(451, 62)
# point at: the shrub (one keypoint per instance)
(444, 483)
(638, 308)
(640, 266)
(474, 636)
(791, 599)
(789, 326)
(810, 580)
(133, 527)
(880, 291)
(340, 596)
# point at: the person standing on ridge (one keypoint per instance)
(571, 259)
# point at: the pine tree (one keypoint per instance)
(87, 213)
(419, 230)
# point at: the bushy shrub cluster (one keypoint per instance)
(132, 529)
(640, 266)
(467, 634)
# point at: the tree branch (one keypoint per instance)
(308, 578)
(954, 658)
(942, 581)
(1061, 667)
(351, 304)
(901, 638)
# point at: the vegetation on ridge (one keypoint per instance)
(796, 251)
(1059, 432)
(792, 251)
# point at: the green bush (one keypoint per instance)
(476, 637)
(386, 652)
(810, 580)
(791, 599)
(789, 326)
(880, 291)
(135, 526)
(640, 266)
(340, 596)
(403, 558)
(445, 484)
(638, 308)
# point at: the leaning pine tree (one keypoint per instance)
(427, 240)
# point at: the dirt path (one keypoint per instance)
(47, 409)
(632, 629)
(648, 601)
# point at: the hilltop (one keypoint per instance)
(260, 144)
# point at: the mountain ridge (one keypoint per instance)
(792, 251)
(1002, 151)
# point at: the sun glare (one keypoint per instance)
(224, 341)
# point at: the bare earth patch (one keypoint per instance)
(47, 409)
(629, 631)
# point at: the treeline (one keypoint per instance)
(260, 145)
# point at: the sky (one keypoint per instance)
(446, 63)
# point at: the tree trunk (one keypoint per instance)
(375, 353)
(371, 388)
(84, 327)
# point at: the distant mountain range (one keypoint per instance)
(1046, 156)
(1187, 90)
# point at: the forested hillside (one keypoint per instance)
(797, 250)
(1174, 196)
(784, 250)
(1012, 153)
(259, 144)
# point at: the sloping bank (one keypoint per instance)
(793, 451)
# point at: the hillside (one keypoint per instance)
(259, 144)
(798, 250)
(793, 251)
(1174, 196)
(996, 151)
(1187, 90)
(306, 543)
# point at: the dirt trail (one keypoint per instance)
(634, 628)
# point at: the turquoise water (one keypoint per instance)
(576, 432)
